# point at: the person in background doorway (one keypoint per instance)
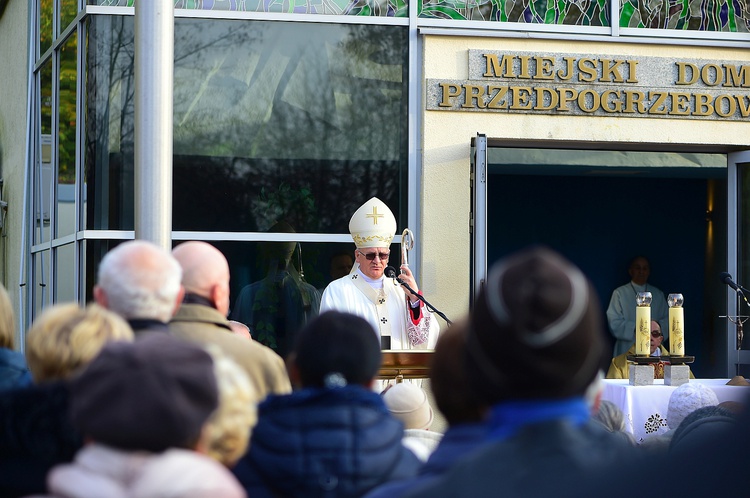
(621, 310)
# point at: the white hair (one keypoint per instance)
(140, 280)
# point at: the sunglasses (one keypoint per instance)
(655, 333)
(370, 256)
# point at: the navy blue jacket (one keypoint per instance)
(338, 442)
(36, 434)
(13, 370)
(457, 442)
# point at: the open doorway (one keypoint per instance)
(602, 208)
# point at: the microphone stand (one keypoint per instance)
(429, 306)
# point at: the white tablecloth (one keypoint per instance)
(645, 407)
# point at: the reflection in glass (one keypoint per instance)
(43, 179)
(66, 174)
(276, 286)
(93, 253)
(383, 8)
(65, 276)
(272, 120)
(45, 24)
(303, 271)
(277, 304)
(68, 11)
(40, 282)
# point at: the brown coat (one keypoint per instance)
(203, 324)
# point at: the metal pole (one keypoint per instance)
(154, 75)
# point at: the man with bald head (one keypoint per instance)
(140, 281)
(202, 317)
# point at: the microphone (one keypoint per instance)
(726, 278)
(390, 272)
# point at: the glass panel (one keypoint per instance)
(108, 168)
(93, 254)
(45, 24)
(40, 282)
(66, 175)
(302, 122)
(743, 241)
(65, 275)
(42, 194)
(68, 11)
(383, 8)
(709, 15)
(274, 286)
(567, 12)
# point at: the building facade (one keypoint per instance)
(605, 129)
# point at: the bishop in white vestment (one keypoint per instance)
(399, 317)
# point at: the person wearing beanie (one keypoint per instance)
(333, 436)
(534, 346)
(684, 400)
(36, 431)
(409, 404)
(143, 407)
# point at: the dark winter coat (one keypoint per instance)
(338, 442)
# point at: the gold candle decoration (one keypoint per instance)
(643, 324)
(676, 325)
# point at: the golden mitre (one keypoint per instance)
(372, 225)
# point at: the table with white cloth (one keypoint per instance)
(645, 407)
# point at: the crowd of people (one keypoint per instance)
(150, 391)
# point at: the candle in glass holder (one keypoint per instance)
(643, 324)
(676, 325)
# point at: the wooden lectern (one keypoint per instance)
(405, 364)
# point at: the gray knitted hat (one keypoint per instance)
(536, 330)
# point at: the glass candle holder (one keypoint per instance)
(643, 324)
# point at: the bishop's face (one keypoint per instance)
(372, 260)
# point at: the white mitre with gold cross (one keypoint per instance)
(372, 225)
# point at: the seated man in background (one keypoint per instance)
(619, 368)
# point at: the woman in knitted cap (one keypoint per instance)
(143, 407)
(333, 437)
(35, 429)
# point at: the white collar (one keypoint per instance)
(374, 283)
